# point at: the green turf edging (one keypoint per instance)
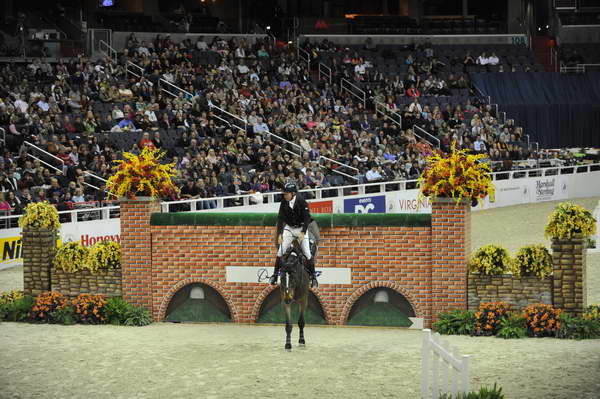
(270, 219)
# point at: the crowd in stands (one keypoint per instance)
(235, 117)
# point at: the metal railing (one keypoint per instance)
(228, 123)
(348, 86)
(343, 165)
(163, 82)
(103, 180)
(63, 168)
(579, 68)
(107, 50)
(46, 153)
(130, 67)
(325, 71)
(425, 135)
(303, 55)
(300, 151)
(213, 107)
(382, 108)
(70, 216)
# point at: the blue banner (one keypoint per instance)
(365, 205)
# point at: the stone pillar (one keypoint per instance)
(450, 248)
(569, 289)
(136, 239)
(39, 248)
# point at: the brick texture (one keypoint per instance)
(39, 248)
(517, 291)
(568, 257)
(136, 260)
(160, 260)
(102, 282)
(450, 248)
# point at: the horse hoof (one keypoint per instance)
(302, 343)
(288, 347)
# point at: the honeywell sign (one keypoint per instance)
(89, 233)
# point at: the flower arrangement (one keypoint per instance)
(143, 175)
(489, 317)
(46, 304)
(71, 257)
(90, 309)
(533, 260)
(40, 215)
(491, 260)
(542, 320)
(592, 312)
(458, 175)
(569, 219)
(10, 297)
(104, 255)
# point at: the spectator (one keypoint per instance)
(146, 141)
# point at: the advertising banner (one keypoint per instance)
(408, 201)
(365, 205)
(88, 233)
(321, 206)
(548, 188)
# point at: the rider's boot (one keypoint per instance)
(310, 263)
(275, 274)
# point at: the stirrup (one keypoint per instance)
(313, 282)
(273, 279)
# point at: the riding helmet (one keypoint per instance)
(290, 188)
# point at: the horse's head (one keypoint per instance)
(291, 265)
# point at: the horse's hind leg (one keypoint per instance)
(288, 327)
(301, 324)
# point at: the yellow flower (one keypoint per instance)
(104, 255)
(143, 175)
(40, 215)
(569, 219)
(71, 257)
(458, 176)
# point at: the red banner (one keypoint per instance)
(321, 207)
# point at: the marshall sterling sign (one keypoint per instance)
(544, 189)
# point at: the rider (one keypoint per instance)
(292, 223)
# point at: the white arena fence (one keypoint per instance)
(260, 202)
(442, 368)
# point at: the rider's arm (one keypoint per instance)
(280, 218)
(306, 219)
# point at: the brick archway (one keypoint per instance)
(404, 291)
(182, 283)
(265, 293)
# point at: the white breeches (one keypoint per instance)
(288, 237)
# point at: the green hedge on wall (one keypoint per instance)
(270, 219)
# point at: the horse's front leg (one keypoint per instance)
(301, 325)
(288, 326)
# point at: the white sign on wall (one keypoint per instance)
(88, 233)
